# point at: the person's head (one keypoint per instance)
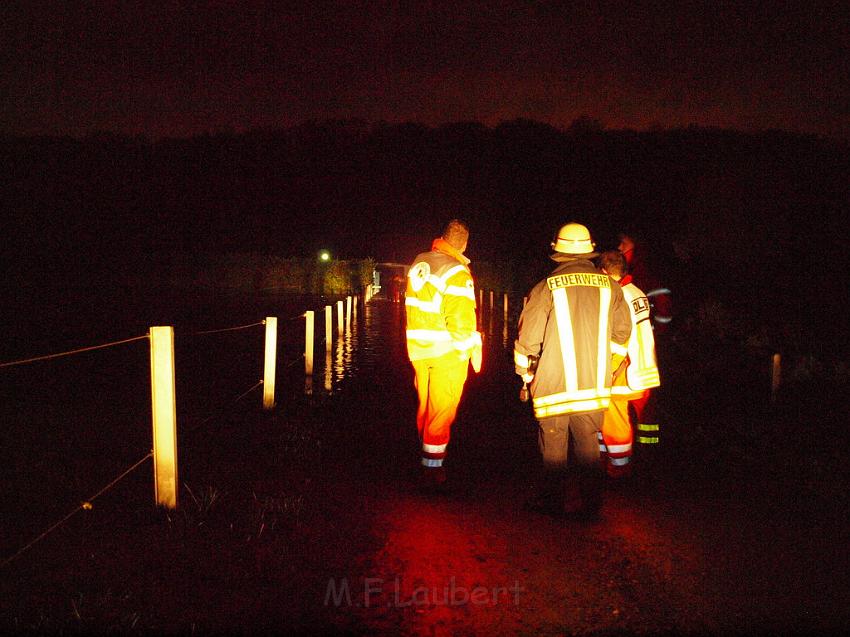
(573, 240)
(613, 262)
(627, 246)
(456, 234)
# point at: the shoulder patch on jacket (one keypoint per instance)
(419, 274)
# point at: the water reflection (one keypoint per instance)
(339, 365)
(376, 332)
(328, 371)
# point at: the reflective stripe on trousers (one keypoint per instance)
(616, 425)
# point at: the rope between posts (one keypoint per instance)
(87, 505)
(297, 360)
(227, 329)
(76, 351)
(247, 391)
(234, 401)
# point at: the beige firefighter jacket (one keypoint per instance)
(577, 322)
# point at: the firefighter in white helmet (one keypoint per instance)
(575, 326)
(635, 377)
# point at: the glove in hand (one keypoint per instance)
(476, 358)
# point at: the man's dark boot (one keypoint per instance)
(548, 494)
(588, 483)
(434, 480)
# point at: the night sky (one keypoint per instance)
(186, 68)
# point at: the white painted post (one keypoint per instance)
(354, 305)
(328, 326)
(506, 305)
(339, 324)
(776, 378)
(491, 300)
(164, 416)
(348, 310)
(481, 298)
(269, 364)
(309, 329)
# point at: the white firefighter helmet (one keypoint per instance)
(574, 238)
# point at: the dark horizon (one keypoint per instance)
(359, 189)
(583, 122)
(188, 69)
(707, 202)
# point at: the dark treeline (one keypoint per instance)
(754, 223)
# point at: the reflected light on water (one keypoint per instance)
(372, 336)
(328, 370)
(346, 346)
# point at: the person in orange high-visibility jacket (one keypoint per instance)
(635, 376)
(576, 325)
(442, 339)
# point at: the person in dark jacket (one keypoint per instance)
(660, 297)
(576, 327)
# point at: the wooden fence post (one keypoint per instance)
(269, 363)
(328, 327)
(164, 416)
(776, 377)
(309, 329)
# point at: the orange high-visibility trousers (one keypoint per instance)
(617, 436)
(439, 384)
(646, 420)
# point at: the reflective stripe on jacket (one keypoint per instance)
(642, 372)
(440, 304)
(574, 320)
